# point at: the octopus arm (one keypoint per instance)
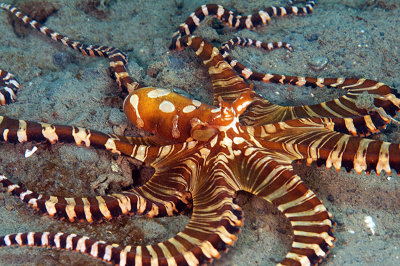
(356, 126)
(233, 20)
(363, 97)
(327, 146)
(118, 59)
(226, 83)
(276, 183)
(215, 221)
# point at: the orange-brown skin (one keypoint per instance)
(165, 113)
(175, 117)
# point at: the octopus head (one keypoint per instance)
(225, 116)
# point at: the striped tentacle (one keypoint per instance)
(363, 97)
(246, 42)
(111, 253)
(336, 149)
(20, 131)
(311, 222)
(118, 62)
(359, 126)
(9, 87)
(118, 59)
(64, 241)
(229, 18)
(245, 72)
(149, 150)
(341, 150)
(216, 217)
(198, 243)
(164, 194)
(162, 200)
(215, 220)
(227, 84)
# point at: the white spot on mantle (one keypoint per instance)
(158, 93)
(189, 109)
(196, 103)
(166, 107)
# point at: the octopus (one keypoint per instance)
(203, 155)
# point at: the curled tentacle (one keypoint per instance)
(118, 59)
(211, 229)
(9, 88)
(363, 95)
(229, 18)
(311, 222)
(164, 194)
(138, 201)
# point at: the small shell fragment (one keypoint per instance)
(28, 153)
(370, 224)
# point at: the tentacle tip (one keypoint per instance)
(226, 249)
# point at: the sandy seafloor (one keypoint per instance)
(357, 38)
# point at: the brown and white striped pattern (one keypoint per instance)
(311, 222)
(215, 220)
(246, 42)
(217, 156)
(359, 126)
(96, 208)
(383, 101)
(381, 98)
(320, 140)
(227, 84)
(200, 242)
(143, 201)
(20, 131)
(9, 87)
(118, 59)
(229, 18)
(146, 149)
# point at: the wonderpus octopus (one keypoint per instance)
(204, 154)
